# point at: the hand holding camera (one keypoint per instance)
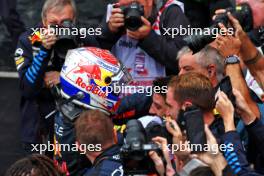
(117, 19)
(159, 165)
(223, 40)
(225, 108)
(51, 78)
(49, 39)
(132, 18)
(215, 160)
(141, 32)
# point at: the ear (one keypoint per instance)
(211, 69)
(44, 22)
(186, 104)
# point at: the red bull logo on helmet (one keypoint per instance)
(90, 88)
(92, 71)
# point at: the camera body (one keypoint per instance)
(134, 152)
(242, 13)
(133, 13)
(65, 39)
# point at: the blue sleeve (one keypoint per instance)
(256, 132)
(235, 154)
(30, 69)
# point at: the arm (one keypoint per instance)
(112, 29)
(235, 155)
(234, 70)
(254, 126)
(31, 69)
(164, 48)
(233, 150)
(249, 53)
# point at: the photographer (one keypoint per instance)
(193, 89)
(211, 62)
(249, 53)
(95, 128)
(39, 65)
(236, 157)
(134, 47)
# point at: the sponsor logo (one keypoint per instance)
(92, 71)
(91, 88)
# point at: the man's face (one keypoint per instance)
(158, 106)
(54, 17)
(173, 107)
(188, 63)
(257, 7)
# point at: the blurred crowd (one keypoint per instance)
(204, 115)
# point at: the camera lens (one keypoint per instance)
(133, 23)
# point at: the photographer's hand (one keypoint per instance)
(116, 20)
(212, 158)
(142, 32)
(226, 109)
(243, 109)
(177, 138)
(174, 130)
(226, 39)
(48, 39)
(159, 165)
(51, 78)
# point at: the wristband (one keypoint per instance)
(254, 59)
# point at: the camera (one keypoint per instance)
(133, 13)
(66, 39)
(191, 122)
(134, 152)
(242, 13)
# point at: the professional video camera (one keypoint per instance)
(242, 13)
(134, 152)
(66, 40)
(133, 13)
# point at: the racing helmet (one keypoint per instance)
(92, 71)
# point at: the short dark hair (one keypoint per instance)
(34, 165)
(161, 82)
(94, 127)
(194, 87)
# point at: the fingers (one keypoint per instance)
(158, 162)
(235, 23)
(145, 21)
(132, 34)
(173, 128)
(52, 78)
(217, 12)
(116, 11)
(116, 20)
(48, 40)
(160, 140)
(209, 134)
(155, 157)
